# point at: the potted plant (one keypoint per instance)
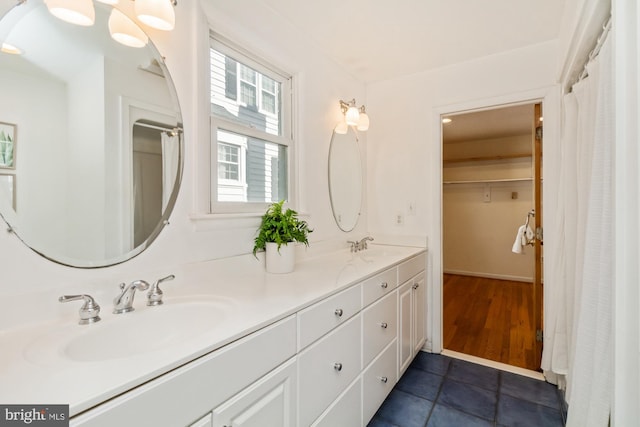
(276, 231)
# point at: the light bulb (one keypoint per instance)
(10, 49)
(341, 128)
(352, 116)
(158, 14)
(363, 122)
(78, 12)
(125, 31)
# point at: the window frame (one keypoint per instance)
(286, 138)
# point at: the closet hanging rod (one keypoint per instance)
(175, 130)
(596, 50)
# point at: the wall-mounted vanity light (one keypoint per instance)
(10, 49)
(125, 31)
(158, 14)
(353, 116)
(78, 12)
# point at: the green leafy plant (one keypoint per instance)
(281, 228)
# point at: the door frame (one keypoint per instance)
(550, 98)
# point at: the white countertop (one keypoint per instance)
(33, 368)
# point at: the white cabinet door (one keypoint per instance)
(269, 402)
(418, 335)
(405, 346)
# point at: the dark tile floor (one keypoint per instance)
(440, 391)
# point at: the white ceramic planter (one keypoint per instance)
(282, 261)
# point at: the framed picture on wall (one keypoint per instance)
(7, 145)
(8, 188)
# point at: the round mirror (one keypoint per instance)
(345, 179)
(90, 138)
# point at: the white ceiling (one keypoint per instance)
(494, 123)
(382, 39)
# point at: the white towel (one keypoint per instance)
(529, 236)
(518, 245)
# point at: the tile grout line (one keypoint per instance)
(435, 400)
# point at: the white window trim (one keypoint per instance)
(288, 137)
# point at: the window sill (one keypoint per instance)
(219, 221)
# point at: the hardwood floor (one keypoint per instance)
(490, 318)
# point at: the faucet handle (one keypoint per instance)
(90, 310)
(154, 296)
(353, 245)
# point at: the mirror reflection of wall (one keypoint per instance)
(70, 94)
(345, 179)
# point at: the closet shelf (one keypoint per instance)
(485, 158)
(487, 181)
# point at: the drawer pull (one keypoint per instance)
(416, 285)
(384, 285)
(383, 379)
(383, 325)
(337, 366)
(338, 312)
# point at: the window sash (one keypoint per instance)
(284, 111)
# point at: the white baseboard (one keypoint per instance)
(490, 275)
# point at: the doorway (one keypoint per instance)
(491, 233)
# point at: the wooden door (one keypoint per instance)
(537, 194)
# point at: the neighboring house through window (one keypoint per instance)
(250, 131)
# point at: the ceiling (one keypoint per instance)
(381, 39)
(487, 124)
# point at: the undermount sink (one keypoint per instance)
(144, 330)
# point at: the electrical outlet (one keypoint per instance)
(399, 219)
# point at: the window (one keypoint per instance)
(250, 131)
(228, 162)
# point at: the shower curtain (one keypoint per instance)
(170, 148)
(578, 339)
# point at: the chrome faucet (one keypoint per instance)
(359, 245)
(154, 296)
(90, 310)
(123, 303)
(363, 242)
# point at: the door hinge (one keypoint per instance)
(539, 335)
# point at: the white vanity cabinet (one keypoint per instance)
(186, 394)
(269, 402)
(326, 368)
(332, 363)
(411, 306)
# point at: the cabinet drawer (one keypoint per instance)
(379, 285)
(411, 267)
(379, 326)
(326, 368)
(346, 410)
(320, 318)
(208, 381)
(378, 380)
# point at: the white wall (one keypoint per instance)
(320, 84)
(40, 164)
(478, 234)
(405, 161)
